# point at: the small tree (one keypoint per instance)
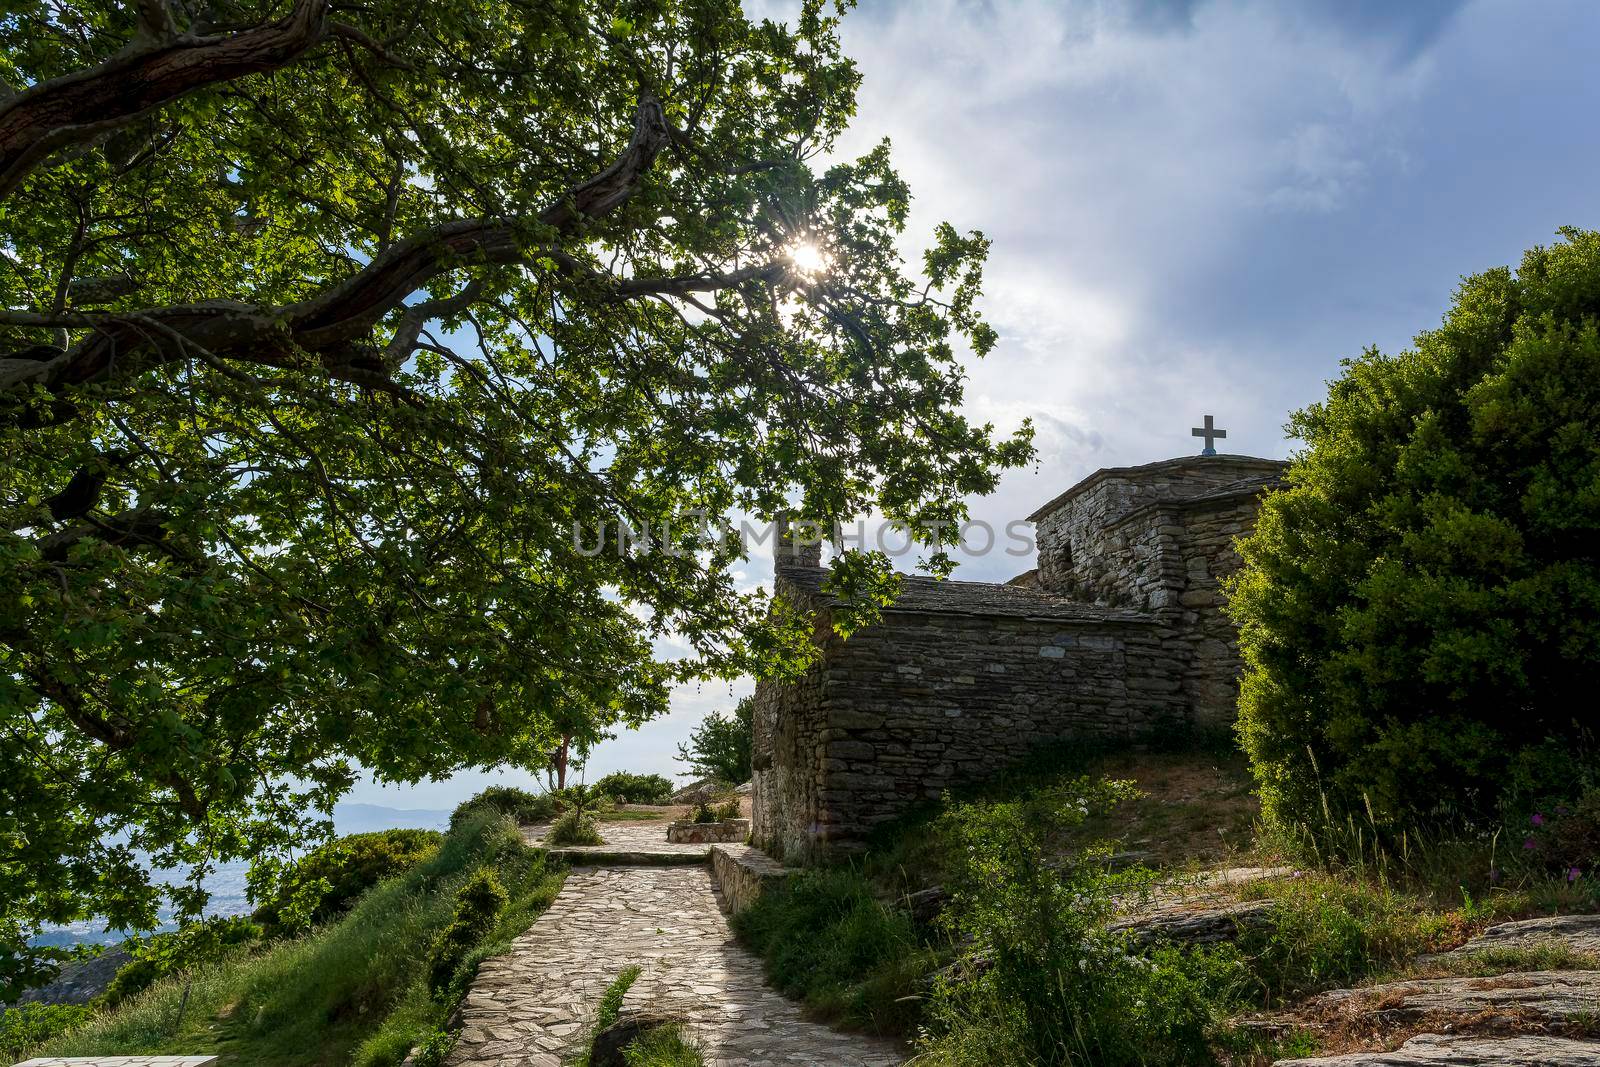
(1420, 610)
(720, 746)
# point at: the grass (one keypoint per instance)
(827, 939)
(842, 938)
(353, 991)
(609, 1010)
(664, 1046)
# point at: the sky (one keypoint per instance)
(1196, 207)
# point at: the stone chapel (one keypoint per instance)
(1118, 633)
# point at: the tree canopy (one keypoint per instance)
(324, 325)
(1420, 609)
(721, 747)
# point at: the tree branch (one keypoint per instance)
(76, 108)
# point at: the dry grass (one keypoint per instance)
(1198, 808)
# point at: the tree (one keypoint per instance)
(324, 326)
(720, 746)
(1420, 609)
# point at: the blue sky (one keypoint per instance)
(1199, 207)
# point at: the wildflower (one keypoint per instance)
(1574, 874)
(1529, 844)
(1537, 819)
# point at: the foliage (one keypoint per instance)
(1053, 987)
(704, 812)
(330, 878)
(720, 746)
(635, 788)
(190, 945)
(335, 357)
(573, 827)
(23, 1026)
(1420, 608)
(1563, 840)
(478, 904)
(520, 804)
(825, 937)
(352, 991)
(1327, 932)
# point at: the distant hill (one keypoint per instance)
(364, 818)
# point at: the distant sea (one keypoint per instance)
(226, 883)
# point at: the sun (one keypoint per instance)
(807, 258)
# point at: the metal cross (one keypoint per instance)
(1210, 433)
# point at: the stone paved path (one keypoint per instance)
(533, 1006)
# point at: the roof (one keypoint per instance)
(933, 596)
(1265, 470)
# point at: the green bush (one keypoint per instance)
(1419, 610)
(26, 1025)
(573, 827)
(159, 955)
(329, 879)
(521, 805)
(635, 788)
(825, 937)
(720, 747)
(1562, 839)
(1043, 982)
(478, 905)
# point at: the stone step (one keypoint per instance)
(602, 857)
(1434, 1050)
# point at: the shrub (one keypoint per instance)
(521, 805)
(720, 746)
(159, 955)
(635, 788)
(1419, 610)
(478, 904)
(25, 1025)
(1562, 839)
(1043, 982)
(573, 827)
(330, 878)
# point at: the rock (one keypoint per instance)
(1578, 933)
(609, 1043)
(699, 792)
(745, 789)
(926, 904)
(1433, 1050)
(80, 981)
(1533, 997)
(1195, 926)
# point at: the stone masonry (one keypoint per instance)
(1117, 634)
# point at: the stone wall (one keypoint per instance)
(924, 701)
(1089, 550)
(1119, 634)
